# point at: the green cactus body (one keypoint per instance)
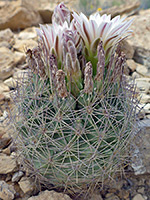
(74, 141)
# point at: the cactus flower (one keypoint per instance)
(51, 37)
(101, 28)
(94, 39)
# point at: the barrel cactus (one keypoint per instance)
(75, 112)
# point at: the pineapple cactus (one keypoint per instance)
(75, 113)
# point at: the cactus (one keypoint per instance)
(75, 119)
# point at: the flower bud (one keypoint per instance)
(61, 84)
(53, 67)
(31, 61)
(101, 62)
(61, 14)
(88, 80)
(40, 64)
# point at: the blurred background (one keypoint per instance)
(90, 6)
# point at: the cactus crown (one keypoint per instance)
(76, 112)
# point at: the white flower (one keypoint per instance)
(101, 28)
(51, 37)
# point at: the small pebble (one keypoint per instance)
(138, 197)
(17, 176)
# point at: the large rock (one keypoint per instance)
(140, 39)
(141, 156)
(7, 192)
(7, 164)
(141, 69)
(28, 33)
(6, 63)
(50, 195)
(3, 116)
(138, 197)
(22, 45)
(4, 88)
(129, 7)
(6, 35)
(46, 12)
(18, 15)
(26, 185)
(17, 176)
(4, 141)
(142, 55)
(127, 49)
(131, 65)
(143, 85)
(11, 82)
(6, 38)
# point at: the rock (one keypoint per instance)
(11, 82)
(50, 195)
(111, 196)
(137, 162)
(145, 143)
(19, 57)
(22, 45)
(7, 151)
(6, 63)
(28, 33)
(142, 56)
(138, 197)
(140, 39)
(2, 3)
(123, 194)
(18, 15)
(6, 38)
(46, 12)
(131, 65)
(141, 190)
(127, 49)
(141, 156)
(2, 97)
(2, 131)
(8, 178)
(128, 8)
(145, 98)
(4, 142)
(147, 108)
(136, 75)
(95, 197)
(20, 74)
(5, 44)
(7, 192)
(17, 176)
(4, 88)
(6, 35)
(26, 185)
(7, 96)
(141, 69)
(7, 164)
(143, 84)
(4, 116)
